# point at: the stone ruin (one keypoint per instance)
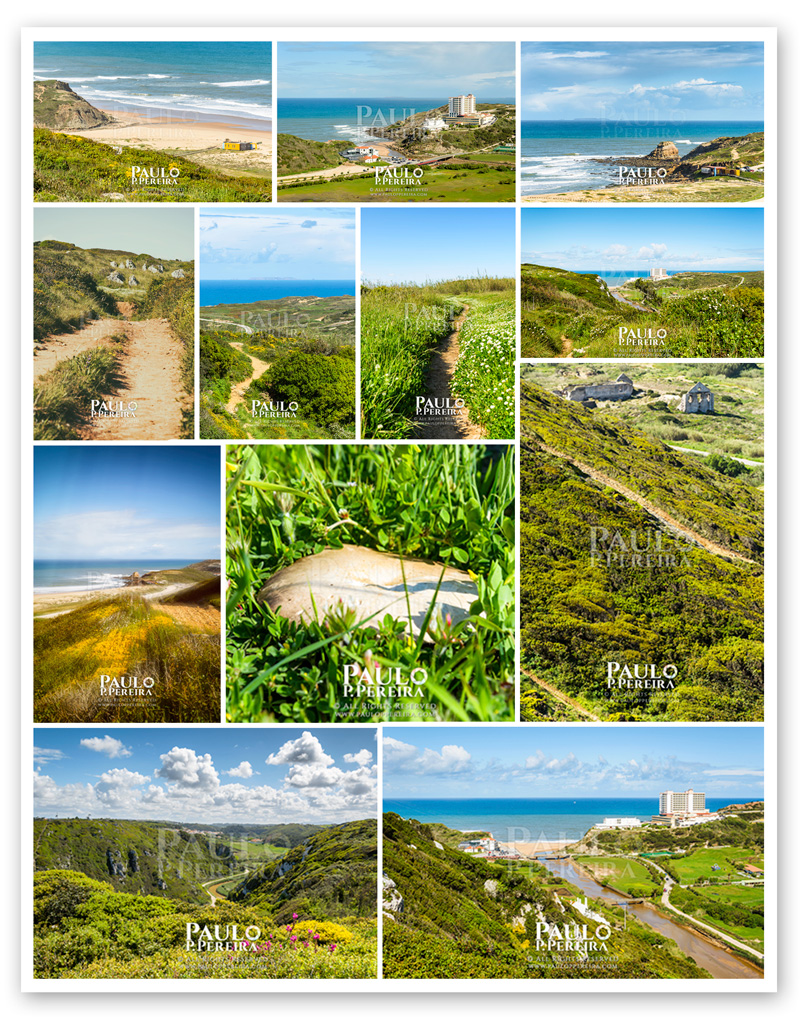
(698, 400)
(609, 391)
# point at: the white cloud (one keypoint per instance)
(364, 757)
(307, 749)
(244, 770)
(188, 770)
(106, 745)
(655, 251)
(43, 755)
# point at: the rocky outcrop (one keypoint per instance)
(392, 900)
(133, 862)
(158, 268)
(491, 886)
(664, 151)
(116, 278)
(129, 265)
(178, 273)
(132, 281)
(115, 867)
(56, 106)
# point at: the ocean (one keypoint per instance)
(557, 156)
(51, 576)
(228, 81)
(213, 293)
(531, 820)
(347, 119)
(617, 277)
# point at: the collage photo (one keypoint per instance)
(402, 470)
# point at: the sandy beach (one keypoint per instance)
(542, 846)
(67, 600)
(203, 139)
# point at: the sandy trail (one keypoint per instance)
(151, 370)
(563, 698)
(674, 524)
(54, 349)
(439, 378)
(238, 390)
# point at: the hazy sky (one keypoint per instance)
(436, 244)
(127, 502)
(535, 761)
(406, 70)
(245, 775)
(164, 232)
(314, 244)
(675, 239)
(642, 81)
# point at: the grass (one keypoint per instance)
(699, 863)
(437, 503)
(127, 636)
(452, 183)
(716, 316)
(62, 397)
(69, 168)
(626, 874)
(402, 324)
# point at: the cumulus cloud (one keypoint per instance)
(654, 251)
(188, 770)
(362, 758)
(244, 770)
(451, 758)
(307, 749)
(106, 745)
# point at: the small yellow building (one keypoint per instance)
(228, 144)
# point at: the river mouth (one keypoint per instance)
(707, 954)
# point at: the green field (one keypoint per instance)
(455, 182)
(699, 863)
(70, 168)
(626, 874)
(703, 315)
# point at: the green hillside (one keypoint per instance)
(628, 602)
(332, 874)
(69, 168)
(55, 105)
(717, 315)
(465, 917)
(131, 856)
(296, 155)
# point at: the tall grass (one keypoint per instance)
(62, 397)
(400, 325)
(441, 503)
(124, 636)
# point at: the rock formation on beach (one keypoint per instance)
(56, 106)
(664, 151)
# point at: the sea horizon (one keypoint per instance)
(51, 575)
(561, 155)
(324, 118)
(535, 819)
(618, 277)
(221, 81)
(216, 293)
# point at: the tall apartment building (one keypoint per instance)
(462, 106)
(688, 802)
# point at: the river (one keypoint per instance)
(705, 952)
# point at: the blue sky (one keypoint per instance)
(312, 244)
(167, 233)
(407, 70)
(126, 502)
(436, 244)
(675, 239)
(231, 774)
(533, 761)
(642, 81)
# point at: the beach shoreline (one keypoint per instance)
(43, 602)
(179, 130)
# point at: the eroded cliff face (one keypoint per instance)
(55, 105)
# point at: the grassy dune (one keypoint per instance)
(177, 644)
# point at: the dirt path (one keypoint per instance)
(674, 524)
(58, 347)
(563, 698)
(232, 323)
(238, 390)
(151, 372)
(439, 378)
(567, 346)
